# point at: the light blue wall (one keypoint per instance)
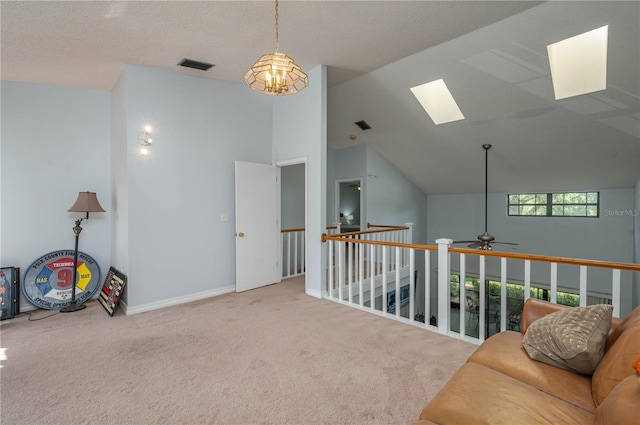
(54, 144)
(119, 179)
(300, 131)
(393, 199)
(292, 196)
(609, 237)
(179, 248)
(346, 164)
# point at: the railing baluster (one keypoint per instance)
(350, 270)
(444, 284)
(554, 283)
(463, 294)
(503, 294)
(331, 270)
(384, 279)
(615, 292)
(527, 279)
(583, 286)
(341, 270)
(295, 253)
(398, 295)
(483, 279)
(427, 287)
(372, 290)
(412, 285)
(360, 250)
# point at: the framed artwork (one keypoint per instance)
(9, 294)
(112, 290)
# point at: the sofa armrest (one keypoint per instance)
(534, 309)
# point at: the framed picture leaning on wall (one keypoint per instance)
(9, 293)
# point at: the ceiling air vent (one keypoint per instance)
(363, 125)
(190, 63)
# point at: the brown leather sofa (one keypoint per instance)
(500, 384)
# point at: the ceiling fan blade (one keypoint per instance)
(476, 244)
(474, 241)
(506, 243)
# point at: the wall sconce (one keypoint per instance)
(145, 140)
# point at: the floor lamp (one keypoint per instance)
(87, 202)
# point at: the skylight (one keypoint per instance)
(437, 100)
(579, 64)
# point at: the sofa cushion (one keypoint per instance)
(616, 363)
(479, 395)
(572, 338)
(503, 352)
(622, 406)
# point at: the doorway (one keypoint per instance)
(293, 218)
(348, 204)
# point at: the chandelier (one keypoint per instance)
(276, 73)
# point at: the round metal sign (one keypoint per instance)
(47, 282)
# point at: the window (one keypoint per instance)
(565, 204)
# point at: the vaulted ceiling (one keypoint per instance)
(492, 55)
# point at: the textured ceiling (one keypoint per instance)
(492, 55)
(87, 44)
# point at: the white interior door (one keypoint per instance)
(257, 226)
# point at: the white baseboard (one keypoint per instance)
(313, 293)
(175, 301)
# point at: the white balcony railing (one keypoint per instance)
(383, 272)
(292, 243)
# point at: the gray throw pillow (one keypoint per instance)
(572, 338)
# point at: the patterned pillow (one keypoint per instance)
(572, 338)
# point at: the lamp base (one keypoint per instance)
(71, 307)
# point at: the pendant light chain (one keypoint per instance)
(277, 26)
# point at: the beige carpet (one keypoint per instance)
(269, 356)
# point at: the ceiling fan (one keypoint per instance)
(485, 240)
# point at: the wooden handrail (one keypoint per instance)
(292, 230)
(551, 259)
(368, 232)
(385, 226)
(340, 238)
(302, 229)
(515, 256)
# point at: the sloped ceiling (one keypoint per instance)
(500, 78)
(492, 56)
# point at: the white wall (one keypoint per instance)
(609, 237)
(179, 249)
(300, 131)
(55, 143)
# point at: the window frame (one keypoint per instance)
(549, 204)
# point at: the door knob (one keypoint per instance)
(240, 234)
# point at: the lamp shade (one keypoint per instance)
(86, 202)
